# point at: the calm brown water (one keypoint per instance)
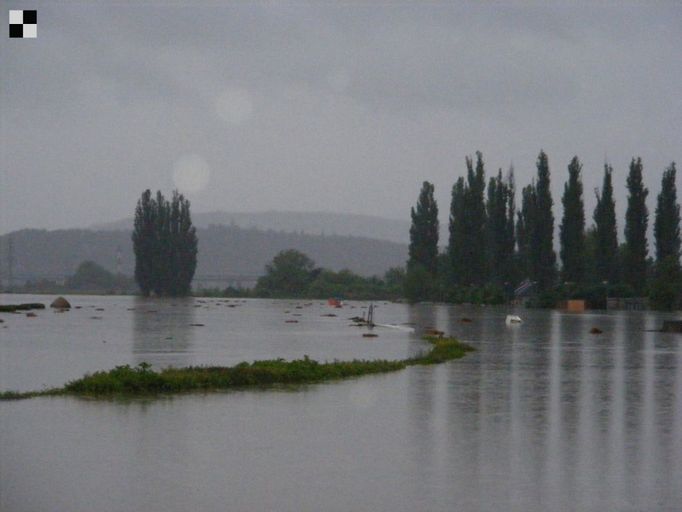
(544, 416)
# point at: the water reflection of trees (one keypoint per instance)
(422, 386)
(553, 414)
(162, 331)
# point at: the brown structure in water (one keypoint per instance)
(672, 326)
(573, 306)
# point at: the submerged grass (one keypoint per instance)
(444, 349)
(142, 380)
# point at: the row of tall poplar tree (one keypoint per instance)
(165, 245)
(493, 248)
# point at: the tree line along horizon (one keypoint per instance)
(492, 247)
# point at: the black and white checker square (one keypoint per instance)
(23, 24)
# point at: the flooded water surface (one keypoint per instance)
(543, 416)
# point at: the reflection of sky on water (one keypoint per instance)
(543, 416)
(557, 418)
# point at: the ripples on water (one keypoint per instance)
(544, 416)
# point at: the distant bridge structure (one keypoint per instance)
(225, 280)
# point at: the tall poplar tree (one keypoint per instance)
(500, 227)
(145, 242)
(666, 290)
(162, 250)
(187, 246)
(607, 261)
(511, 218)
(525, 226)
(423, 250)
(165, 245)
(591, 255)
(475, 263)
(542, 255)
(636, 223)
(456, 228)
(667, 223)
(572, 229)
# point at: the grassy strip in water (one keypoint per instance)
(141, 380)
(21, 395)
(444, 349)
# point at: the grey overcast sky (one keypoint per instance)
(326, 106)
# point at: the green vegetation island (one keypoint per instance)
(127, 381)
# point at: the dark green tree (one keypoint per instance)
(422, 266)
(636, 223)
(162, 250)
(572, 229)
(541, 250)
(145, 242)
(666, 289)
(525, 226)
(288, 275)
(667, 223)
(423, 250)
(512, 274)
(185, 244)
(475, 262)
(607, 264)
(591, 255)
(419, 284)
(165, 245)
(92, 277)
(394, 281)
(500, 226)
(456, 228)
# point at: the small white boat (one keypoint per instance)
(513, 319)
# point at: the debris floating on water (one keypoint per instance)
(434, 332)
(13, 308)
(672, 326)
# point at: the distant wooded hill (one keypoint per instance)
(223, 251)
(312, 223)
